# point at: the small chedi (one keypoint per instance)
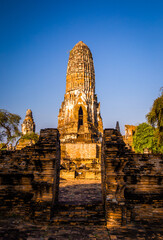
(28, 127)
(79, 120)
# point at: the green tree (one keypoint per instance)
(31, 136)
(145, 138)
(9, 123)
(155, 117)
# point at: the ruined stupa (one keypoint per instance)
(28, 125)
(79, 120)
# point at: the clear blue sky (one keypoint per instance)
(125, 38)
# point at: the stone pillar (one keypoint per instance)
(114, 161)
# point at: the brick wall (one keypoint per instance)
(81, 160)
(29, 178)
(144, 189)
(132, 184)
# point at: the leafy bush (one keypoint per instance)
(146, 137)
(31, 136)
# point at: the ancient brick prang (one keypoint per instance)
(79, 121)
(80, 111)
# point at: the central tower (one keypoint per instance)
(79, 120)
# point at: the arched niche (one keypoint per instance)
(80, 117)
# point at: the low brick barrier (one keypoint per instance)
(29, 178)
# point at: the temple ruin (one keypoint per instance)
(79, 120)
(128, 137)
(28, 127)
(78, 181)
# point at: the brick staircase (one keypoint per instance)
(91, 214)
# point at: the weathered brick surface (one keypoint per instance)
(144, 189)
(30, 177)
(80, 191)
(79, 215)
(114, 160)
(80, 203)
(132, 188)
(16, 229)
(132, 193)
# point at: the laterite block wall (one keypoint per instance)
(29, 178)
(132, 184)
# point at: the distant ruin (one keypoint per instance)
(28, 127)
(128, 137)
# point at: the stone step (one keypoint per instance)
(88, 206)
(78, 221)
(90, 214)
(76, 216)
(92, 205)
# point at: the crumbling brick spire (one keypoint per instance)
(80, 69)
(80, 111)
(28, 125)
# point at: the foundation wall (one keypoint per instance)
(81, 160)
(81, 150)
(132, 184)
(29, 178)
